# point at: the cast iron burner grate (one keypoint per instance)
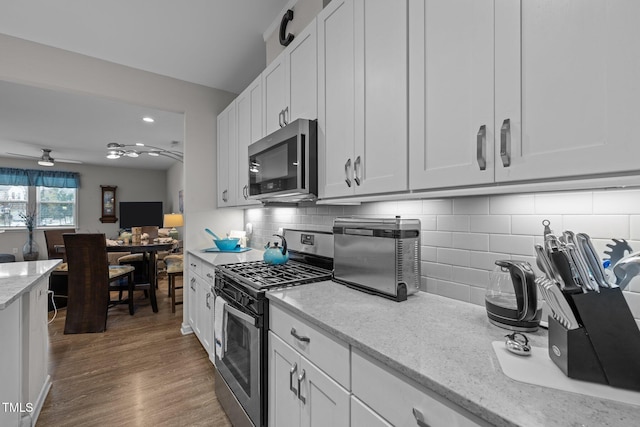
(259, 275)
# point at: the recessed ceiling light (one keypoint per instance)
(140, 144)
(148, 119)
(153, 153)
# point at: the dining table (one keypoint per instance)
(148, 251)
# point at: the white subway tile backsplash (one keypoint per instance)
(453, 223)
(436, 271)
(500, 224)
(441, 239)
(625, 202)
(437, 207)
(463, 237)
(486, 260)
(429, 253)
(517, 245)
(511, 204)
(453, 257)
(599, 226)
(470, 276)
(471, 241)
(471, 205)
(564, 203)
(532, 224)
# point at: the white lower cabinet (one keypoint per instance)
(300, 394)
(400, 402)
(362, 415)
(200, 302)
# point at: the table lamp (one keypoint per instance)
(173, 220)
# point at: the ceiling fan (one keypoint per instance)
(45, 159)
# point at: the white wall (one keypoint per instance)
(133, 185)
(38, 65)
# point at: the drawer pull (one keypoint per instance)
(207, 303)
(505, 143)
(300, 379)
(298, 337)
(481, 147)
(193, 281)
(347, 167)
(209, 276)
(419, 418)
(293, 370)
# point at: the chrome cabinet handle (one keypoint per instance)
(419, 418)
(298, 337)
(481, 147)
(209, 276)
(356, 170)
(505, 143)
(292, 371)
(193, 280)
(224, 196)
(300, 379)
(245, 192)
(208, 297)
(347, 166)
(281, 118)
(285, 116)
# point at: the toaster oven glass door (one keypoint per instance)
(274, 169)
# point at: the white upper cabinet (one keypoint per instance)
(227, 157)
(451, 68)
(362, 97)
(250, 129)
(567, 88)
(290, 82)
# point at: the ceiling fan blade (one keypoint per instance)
(67, 161)
(22, 155)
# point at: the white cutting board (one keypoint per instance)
(539, 369)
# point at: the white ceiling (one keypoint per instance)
(216, 43)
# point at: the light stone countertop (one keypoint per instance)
(446, 346)
(218, 258)
(17, 278)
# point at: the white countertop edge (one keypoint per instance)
(15, 281)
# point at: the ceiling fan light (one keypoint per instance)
(132, 154)
(113, 155)
(148, 119)
(44, 162)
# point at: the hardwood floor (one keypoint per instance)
(141, 372)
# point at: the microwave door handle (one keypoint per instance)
(234, 311)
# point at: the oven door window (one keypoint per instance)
(274, 169)
(240, 364)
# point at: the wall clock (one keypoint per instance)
(108, 204)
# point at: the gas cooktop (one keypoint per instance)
(261, 276)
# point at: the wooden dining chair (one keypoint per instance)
(90, 281)
(137, 260)
(59, 278)
(174, 269)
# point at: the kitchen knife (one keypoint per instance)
(564, 308)
(591, 257)
(581, 268)
(545, 264)
(563, 266)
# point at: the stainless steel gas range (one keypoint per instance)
(241, 374)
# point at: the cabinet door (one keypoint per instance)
(324, 402)
(451, 98)
(205, 317)
(336, 99)
(302, 75)
(250, 129)
(381, 132)
(274, 94)
(567, 79)
(193, 305)
(284, 368)
(227, 156)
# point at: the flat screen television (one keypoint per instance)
(139, 214)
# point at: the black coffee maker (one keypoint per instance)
(512, 297)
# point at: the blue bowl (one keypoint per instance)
(226, 244)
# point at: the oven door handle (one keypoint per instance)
(241, 315)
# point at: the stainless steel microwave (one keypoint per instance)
(283, 166)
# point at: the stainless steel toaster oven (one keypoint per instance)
(378, 255)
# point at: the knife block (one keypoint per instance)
(606, 349)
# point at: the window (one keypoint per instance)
(51, 194)
(13, 202)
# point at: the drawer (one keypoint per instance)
(208, 272)
(326, 352)
(362, 415)
(195, 265)
(400, 402)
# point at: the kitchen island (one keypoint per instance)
(24, 340)
(444, 346)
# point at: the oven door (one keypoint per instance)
(240, 364)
